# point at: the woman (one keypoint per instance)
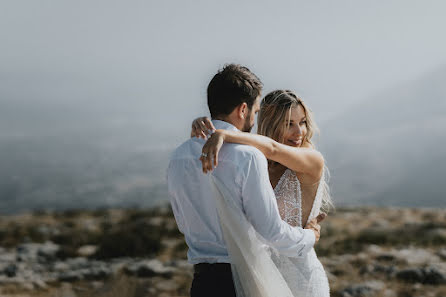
(297, 174)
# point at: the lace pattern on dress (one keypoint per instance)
(289, 198)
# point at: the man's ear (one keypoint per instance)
(242, 110)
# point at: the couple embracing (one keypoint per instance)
(249, 205)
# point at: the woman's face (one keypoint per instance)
(295, 134)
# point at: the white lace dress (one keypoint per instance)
(305, 276)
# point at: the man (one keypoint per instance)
(233, 100)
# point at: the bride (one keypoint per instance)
(297, 174)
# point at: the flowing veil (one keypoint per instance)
(253, 269)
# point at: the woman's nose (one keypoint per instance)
(298, 130)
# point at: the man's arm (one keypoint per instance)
(261, 209)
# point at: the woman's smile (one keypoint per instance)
(295, 142)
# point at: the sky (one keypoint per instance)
(130, 76)
(79, 66)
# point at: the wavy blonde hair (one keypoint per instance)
(274, 119)
(275, 113)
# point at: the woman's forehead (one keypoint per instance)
(297, 112)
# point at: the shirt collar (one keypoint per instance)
(218, 124)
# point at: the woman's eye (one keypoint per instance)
(303, 122)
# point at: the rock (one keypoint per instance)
(442, 253)
(48, 251)
(87, 250)
(7, 257)
(70, 276)
(39, 283)
(378, 269)
(27, 252)
(27, 285)
(60, 266)
(389, 293)
(433, 276)
(96, 273)
(66, 291)
(11, 270)
(416, 256)
(77, 263)
(34, 252)
(374, 249)
(410, 275)
(424, 275)
(385, 257)
(149, 268)
(156, 221)
(97, 285)
(167, 285)
(47, 231)
(363, 290)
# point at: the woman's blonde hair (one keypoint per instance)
(274, 119)
(275, 113)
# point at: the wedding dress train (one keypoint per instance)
(258, 269)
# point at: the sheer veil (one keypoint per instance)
(253, 269)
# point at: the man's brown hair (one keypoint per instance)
(230, 87)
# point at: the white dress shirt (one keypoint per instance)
(243, 169)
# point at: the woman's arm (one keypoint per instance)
(300, 159)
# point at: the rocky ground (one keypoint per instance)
(366, 252)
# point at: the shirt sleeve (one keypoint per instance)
(261, 209)
(171, 178)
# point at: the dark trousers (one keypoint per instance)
(212, 280)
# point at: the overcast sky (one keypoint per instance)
(139, 69)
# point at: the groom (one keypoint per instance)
(233, 100)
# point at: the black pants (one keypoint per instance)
(212, 280)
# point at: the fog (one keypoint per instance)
(94, 95)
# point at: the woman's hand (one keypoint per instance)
(209, 153)
(201, 127)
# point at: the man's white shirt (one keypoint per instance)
(243, 170)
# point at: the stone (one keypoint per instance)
(96, 273)
(442, 253)
(389, 293)
(60, 266)
(385, 257)
(66, 291)
(11, 270)
(87, 250)
(27, 286)
(167, 285)
(410, 275)
(78, 263)
(416, 256)
(149, 268)
(424, 275)
(39, 283)
(433, 276)
(363, 290)
(7, 257)
(70, 276)
(48, 251)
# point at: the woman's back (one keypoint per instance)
(297, 201)
(305, 276)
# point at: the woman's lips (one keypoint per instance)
(295, 142)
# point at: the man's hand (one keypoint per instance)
(314, 225)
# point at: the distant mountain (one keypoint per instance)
(49, 174)
(390, 149)
(387, 150)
